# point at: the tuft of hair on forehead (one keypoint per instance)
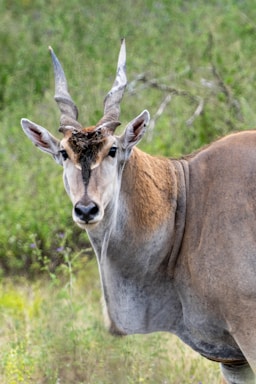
(86, 139)
(86, 144)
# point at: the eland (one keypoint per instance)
(175, 239)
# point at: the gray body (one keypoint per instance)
(175, 240)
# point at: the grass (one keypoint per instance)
(212, 62)
(52, 332)
(51, 324)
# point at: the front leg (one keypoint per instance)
(238, 374)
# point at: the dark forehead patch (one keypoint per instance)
(86, 145)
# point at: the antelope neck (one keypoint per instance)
(182, 173)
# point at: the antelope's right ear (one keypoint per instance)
(42, 139)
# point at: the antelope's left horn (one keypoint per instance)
(113, 99)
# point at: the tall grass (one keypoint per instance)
(51, 326)
(53, 333)
(205, 50)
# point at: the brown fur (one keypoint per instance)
(151, 199)
(194, 217)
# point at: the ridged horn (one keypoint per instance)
(113, 99)
(68, 109)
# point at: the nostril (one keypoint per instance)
(86, 212)
(94, 210)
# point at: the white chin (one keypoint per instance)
(89, 225)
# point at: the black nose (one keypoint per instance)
(87, 212)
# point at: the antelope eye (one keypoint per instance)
(64, 154)
(112, 151)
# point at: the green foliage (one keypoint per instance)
(52, 332)
(52, 328)
(201, 50)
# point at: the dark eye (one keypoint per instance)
(64, 154)
(112, 151)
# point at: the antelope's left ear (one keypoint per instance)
(135, 130)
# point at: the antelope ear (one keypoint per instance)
(42, 139)
(135, 130)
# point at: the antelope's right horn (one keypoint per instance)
(68, 109)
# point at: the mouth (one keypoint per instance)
(86, 224)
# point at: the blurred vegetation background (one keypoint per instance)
(192, 65)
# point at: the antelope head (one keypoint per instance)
(92, 158)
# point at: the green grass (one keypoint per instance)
(176, 43)
(51, 331)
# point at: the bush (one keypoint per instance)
(192, 53)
